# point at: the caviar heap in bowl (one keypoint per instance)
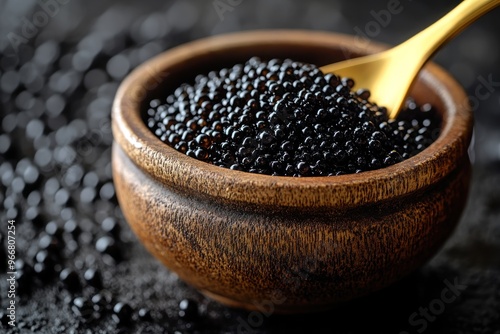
(248, 237)
(287, 118)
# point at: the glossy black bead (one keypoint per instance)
(70, 280)
(108, 245)
(83, 308)
(93, 277)
(188, 309)
(122, 313)
(144, 314)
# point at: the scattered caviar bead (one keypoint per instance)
(122, 313)
(52, 228)
(111, 226)
(72, 228)
(70, 280)
(43, 271)
(294, 114)
(42, 256)
(82, 308)
(144, 314)
(107, 245)
(50, 243)
(93, 277)
(188, 309)
(102, 302)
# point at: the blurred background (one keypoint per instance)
(78, 265)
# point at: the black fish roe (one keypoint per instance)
(286, 118)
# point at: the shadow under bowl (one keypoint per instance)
(298, 244)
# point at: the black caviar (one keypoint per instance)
(287, 118)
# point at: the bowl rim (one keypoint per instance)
(175, 169)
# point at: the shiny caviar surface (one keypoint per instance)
(287, 118)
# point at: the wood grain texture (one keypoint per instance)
(302, 244)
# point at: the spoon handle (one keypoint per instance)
(432, 38)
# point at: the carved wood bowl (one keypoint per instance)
(299, 244)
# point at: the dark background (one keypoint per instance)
(56, 90)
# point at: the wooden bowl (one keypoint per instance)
(296, 244)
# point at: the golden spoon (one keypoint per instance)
(389, 74)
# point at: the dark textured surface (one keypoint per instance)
(74, 119)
